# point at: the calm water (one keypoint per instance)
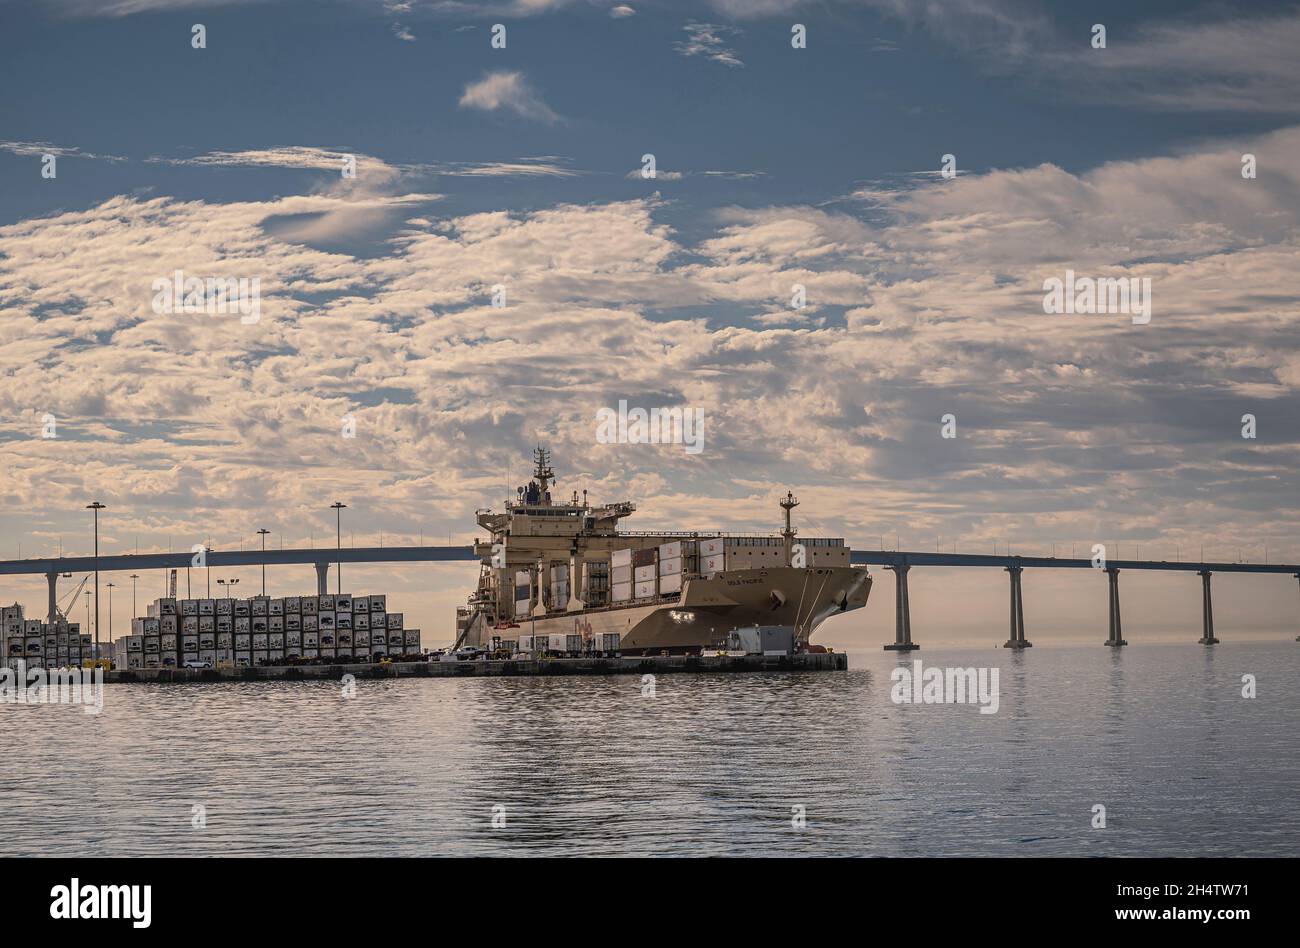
(1159, 735)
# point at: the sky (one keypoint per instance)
(508, 166)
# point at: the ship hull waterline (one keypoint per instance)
(708, 608)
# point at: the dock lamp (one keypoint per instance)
(338, 509)
(263, 532)
(97, 507)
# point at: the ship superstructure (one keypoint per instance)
(563, 571)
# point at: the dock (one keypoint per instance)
(510, 668)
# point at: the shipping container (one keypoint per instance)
(644, 590)
(243, 624)
(292, 605)
(225, 640)
(670, 551)
(207, 640)
(275, 607)
(259, 642)
(394, 620)
(671, 567)
(377, 620)
(243, 607)
(325, 603)
(292, 640)
(343, 620)
(207, 623)
(714, 563)
(643, 574)
(621, 592)
(378, 603)
(411, 637)
(167, 642)
(260, 605)
(343, 640)
(310, 652)
(260, 624)
(643, 557)
(360, 605)
(243, 642)
(325, 621)
(189, 607)
(207, 607)
(189, 643)
(308, 605)
(243, 659)
(310, 623)
(610, 641)
(168, 625)
(260, 657)
(621, 574)
(310, 640)
(225, 623)
(361, 620)
(395, 638)
(167, 607)
(275, 623)
(275, 640)
(343, 603)
(293, 622)
(670, 585)
(377, 638)
(225, 607)
(326, 640)
(208, 655)
(275, 656)
(620, 558)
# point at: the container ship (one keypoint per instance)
(563, 577)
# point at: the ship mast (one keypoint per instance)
(788, 533)
(543, 474)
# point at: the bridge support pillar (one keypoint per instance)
(1017, 639)
(902, 612)
(1116, 627)
(53, 611)
(1207, 610)
(322, 579)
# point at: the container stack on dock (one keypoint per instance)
(41, 644)
(266, 631)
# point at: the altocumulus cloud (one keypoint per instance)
(931, 305)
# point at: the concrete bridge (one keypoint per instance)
(898, 562)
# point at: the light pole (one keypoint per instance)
(134, 577)
(228, 583)
(109, 587)
(338, 509)
(97, 507)
(263, 533)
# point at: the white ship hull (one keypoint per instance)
(708, 608)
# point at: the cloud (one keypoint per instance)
(1071, 428)
(710, 41)
(510, 91)
(37, 149)
(621, 10)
